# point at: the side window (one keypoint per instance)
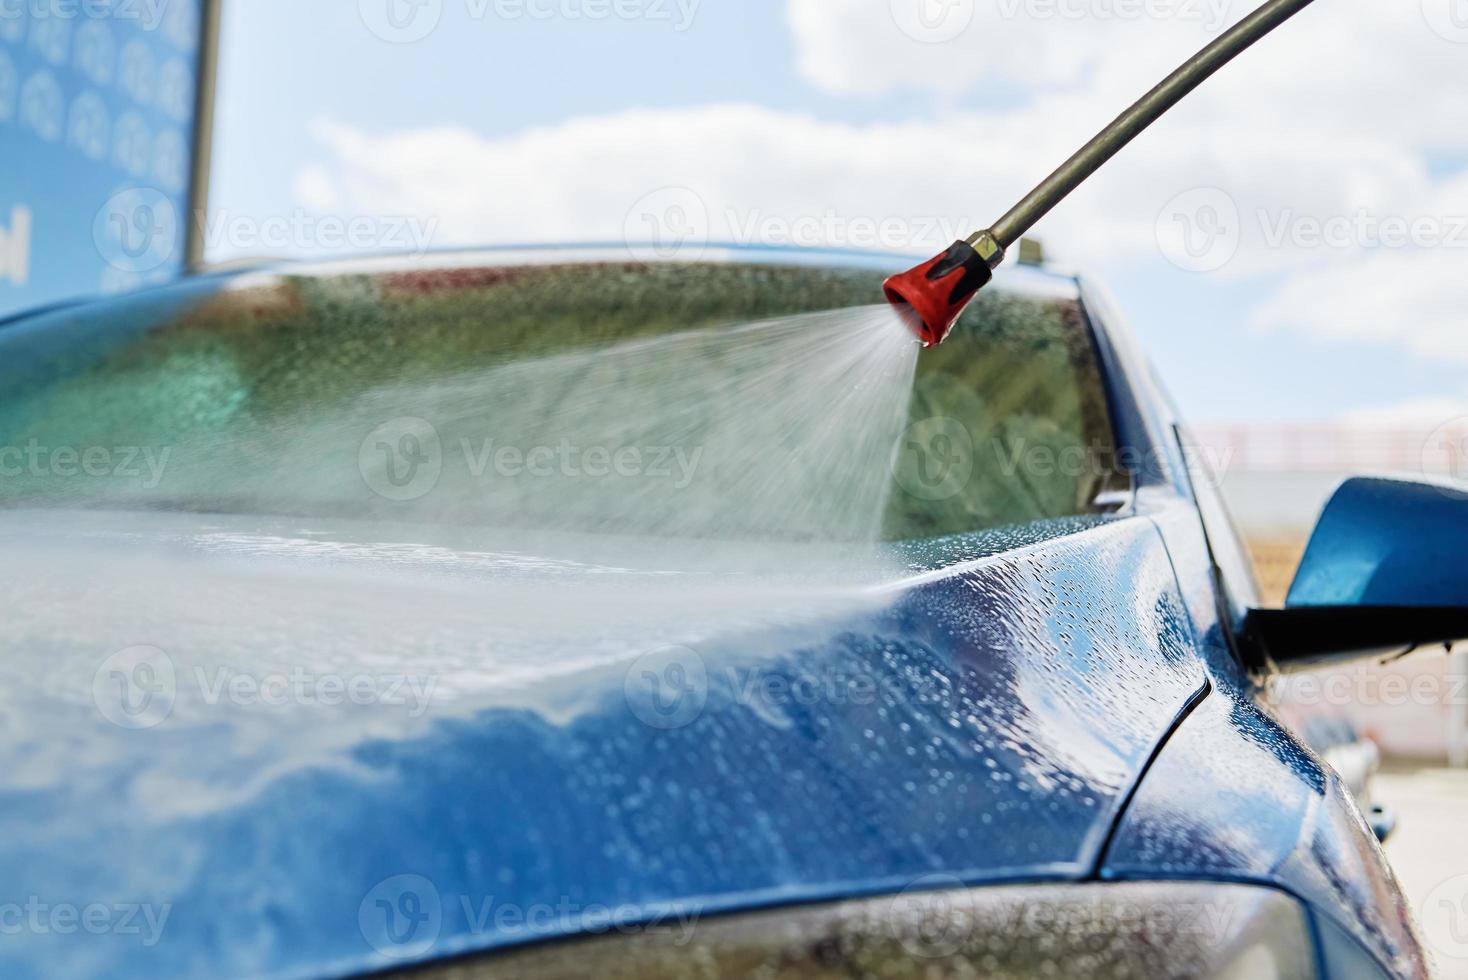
(1225, 545)
(1230, 554)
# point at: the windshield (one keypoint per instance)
(466, 395)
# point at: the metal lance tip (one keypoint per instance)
(930, 297)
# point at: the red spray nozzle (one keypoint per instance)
(930, 296)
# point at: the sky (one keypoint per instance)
(1289, 243)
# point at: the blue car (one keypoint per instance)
(304, 677)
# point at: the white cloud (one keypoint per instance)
(1415, 299)
(748, 165)
(1408, 289)
(1333, 115)
(1351, 66)
(315, 189)
(859, 47)
(759, 172)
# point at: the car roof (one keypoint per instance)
(1032, 281)
(1039, 281)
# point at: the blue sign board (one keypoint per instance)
(98, 103)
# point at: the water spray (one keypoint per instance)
(931, 296)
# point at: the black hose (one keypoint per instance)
(1019, 219)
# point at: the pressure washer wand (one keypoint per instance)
(931, 296)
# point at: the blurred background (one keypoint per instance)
(1289, 244)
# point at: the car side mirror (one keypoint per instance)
(1385, 572)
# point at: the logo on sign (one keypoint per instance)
(15, 247)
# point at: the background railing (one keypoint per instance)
(1332, 447)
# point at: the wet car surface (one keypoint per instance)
(1026, 686)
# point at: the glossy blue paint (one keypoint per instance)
(984, 721)
(1382, 542)
(997, 715)
(1235, 796)
(1177, 519)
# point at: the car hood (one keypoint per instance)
(249, 747)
